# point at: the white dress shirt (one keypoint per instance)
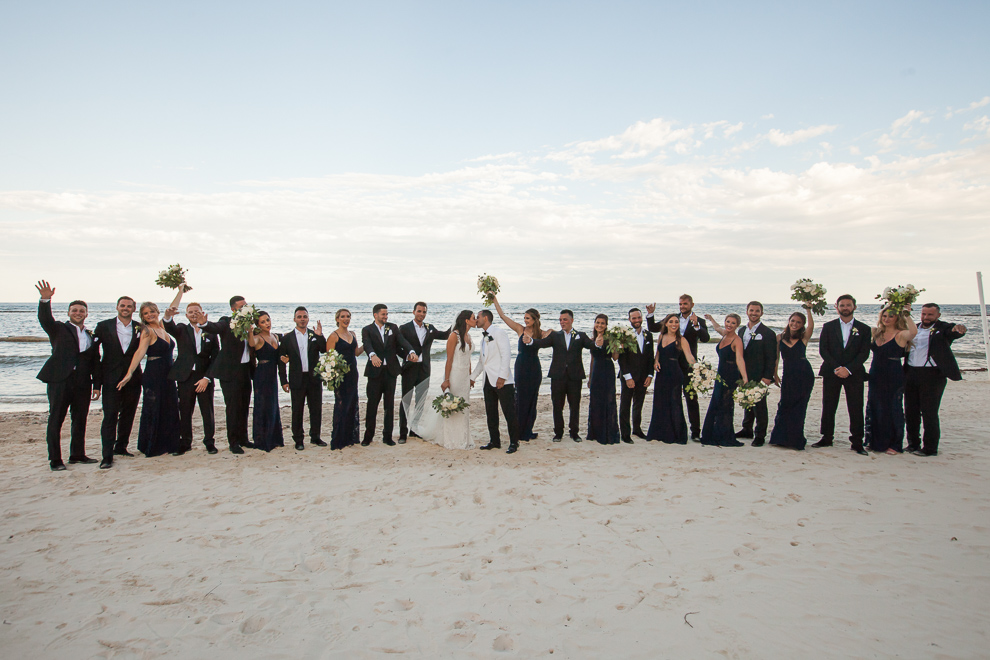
(84, 341)
(198, 338)
(641, 340)
(567, 340)
(684, 320)
(919, 357)
(303, 340)
(420, 332)
(748, 335)
(381, 331)
(846, 331)
(125, 333)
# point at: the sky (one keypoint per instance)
(580, 152)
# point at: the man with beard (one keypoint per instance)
(636, 370)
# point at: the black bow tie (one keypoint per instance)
(484, 333)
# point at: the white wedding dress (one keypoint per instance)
(452, 432)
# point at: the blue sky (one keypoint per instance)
(585, 151)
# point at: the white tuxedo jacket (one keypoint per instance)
(495, 357)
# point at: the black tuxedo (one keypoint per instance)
(119, 406)
(381, 380)
(693, 337)
(414, 373)
(924, 386)
(566, 374)
(235, 380)
(69, 375)
(188, 369)
(305, 387)
(634, 368)
(761, 359)
(852, 356)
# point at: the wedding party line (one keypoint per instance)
(911, 365)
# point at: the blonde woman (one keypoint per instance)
(346, 417)
(717, 429)
(892, 338)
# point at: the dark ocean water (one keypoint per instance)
(20, 361)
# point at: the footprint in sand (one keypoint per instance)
(253, 624)
(503, 643)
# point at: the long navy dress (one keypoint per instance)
(885, 401)
(528, 376)
(603, 415)
(159, 430)
(795, 391)
(346, 418)
(718, 427)
(667, 423)
(267, 426)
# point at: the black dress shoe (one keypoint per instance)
(491, 446)
(734, 443)
(58, 467)
(365, 443)
(106, 464)
(628, 441)
(236, 449)
(922, 452)
(695, 437)
(300, 446)
(210, 449)
(534, 436)
(576, 438)
(557, 438)
(860, 451)
(389, 441)
(639, 434)
(822, 443)
(177, 453)
(512, 449)
(122, 452)
(248, 445)
(412, 434)
(744, 434)
(83, 459)
(758, 443)
(318, 443)
(402, 441)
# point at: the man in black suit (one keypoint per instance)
(694, 330)
(301, 349)
(69, 375)
(233, 368)
(197, 351)
(416, 375)
(844, 346)
(929, 365)
(382, 342)
(760, 355)
(566, 372)
(119, 339)
(636, 371)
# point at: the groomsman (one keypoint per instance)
(494, 365)
(119, 339)
(233, 368)
(301, 349)
(930, 363)
(636, 370)
(844, 346)
(382, 342)
(420, 336)
(69, 374)
(566, 372)
(760, 355)
(693, 329)
(198, 350)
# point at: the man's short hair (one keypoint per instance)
(124, 298)
(687, 297)
(755, 303)
(420, 304)
(379, 307)
(300, 309)
(845, 296)
(487, 314)
(634, 309)
(235, 300)
(568, 312)
(193, 304)
(83, 303)
(929, 305)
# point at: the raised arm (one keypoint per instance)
(904, 337)
(715, 326)
(48, 322)
(173, 307)
(146, 336)
(517, 327)
(809, 330)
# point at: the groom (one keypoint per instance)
(420, 336)
(499, 387)
(383, 343)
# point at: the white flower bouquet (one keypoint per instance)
(447, 404)
(804, 290)
(488, 288)
(751, 393)
(896, 298)
(173, 277)
(702, 379)
(621, 339)
(331, 369)
(242, 321)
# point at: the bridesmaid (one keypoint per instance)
(346, 418)
(797, 383)
(527, 373)
(158, 432)
(717, 429)
(885, 402)
(266, 432)
(603, 415)
(667, 423)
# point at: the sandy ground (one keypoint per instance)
(564, 550)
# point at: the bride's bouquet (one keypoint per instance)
(242, 321)
(331, 369)
(804, 290)
(702, 379)
(896, 298)
(447, 404)
(488, 288)
(621, 339)
(751, 393)
(173, 277)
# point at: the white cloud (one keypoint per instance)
(781, 139)
(972, 106)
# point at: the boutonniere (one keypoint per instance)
(573, 334)
(388, 331)
(489, 338)
(854, 331)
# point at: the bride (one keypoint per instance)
(452, 432)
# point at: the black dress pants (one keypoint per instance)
(70, 396)
(562, 389)
(853, 386)
(506, 399)
(188, 397)
(119, 407)
(310, 395)
(923, 389)
(759, 415)
(381, 390)
(410, 381)
(631, 400)
(237, 400)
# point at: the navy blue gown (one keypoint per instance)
(528, 376)
(159, 430)
(796, 385)
(346, 417)
(718, 427)
(885, 401)
(603, 414)
(267, 428)
(667, 422)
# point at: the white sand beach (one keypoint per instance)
(564, 550)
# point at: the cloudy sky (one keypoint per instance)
(621, 151)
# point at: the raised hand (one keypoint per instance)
(693, 319)
(650, 308)
(45, 289)
(319, 328)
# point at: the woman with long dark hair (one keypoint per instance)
(797, 382)
(266, 431)
(346, 417)
(603, 414)
(667, 423)
(528, 374)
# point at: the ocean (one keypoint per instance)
(20, 360)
